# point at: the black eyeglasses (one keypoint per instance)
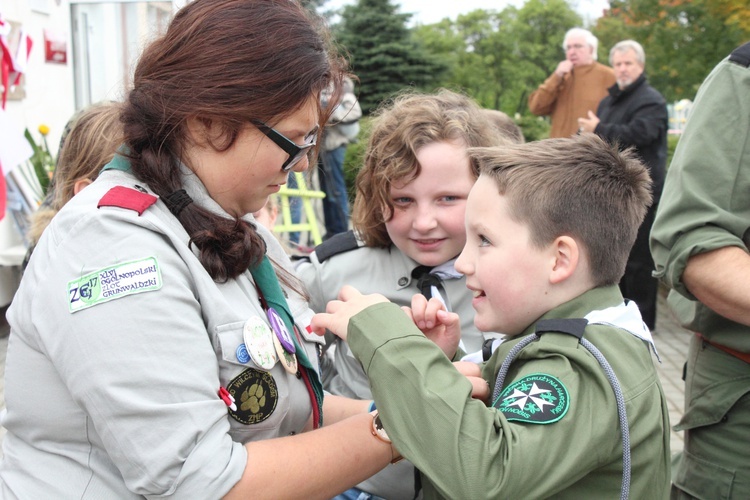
(295, 151)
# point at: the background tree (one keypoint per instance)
(383, 53)
(499, 58)
(735, 12)
(683, 39)
(538, 33)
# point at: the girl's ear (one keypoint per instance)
(566, 255)
(80, 184)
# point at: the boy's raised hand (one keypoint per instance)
(438, 325)
(480, 388)
(339, 312)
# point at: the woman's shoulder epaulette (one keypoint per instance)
(124, 197)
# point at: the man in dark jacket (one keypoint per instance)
(635, 114)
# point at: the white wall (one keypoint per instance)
(50, 97)
(49, 100)
(116, 32)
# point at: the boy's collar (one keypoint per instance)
(580, 306)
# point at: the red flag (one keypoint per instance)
(3, 194)
(6, 62)
(12, 66)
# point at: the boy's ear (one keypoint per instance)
(566, 257)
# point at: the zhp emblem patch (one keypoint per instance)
(114, 282)
(536, 399)
(255, 395)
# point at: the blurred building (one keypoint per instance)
(82, 51)
(678, 115)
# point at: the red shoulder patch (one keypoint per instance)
(123, 197)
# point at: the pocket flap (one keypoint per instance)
(702, 479)
(230, 338)
(709, 406)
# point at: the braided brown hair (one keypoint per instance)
(224, 62)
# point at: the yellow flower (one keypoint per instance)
(43, 129)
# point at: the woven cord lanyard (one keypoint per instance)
(270, 291)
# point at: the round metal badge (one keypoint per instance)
(287, 359)
(242, 355)
(259, 342)
(279, 328)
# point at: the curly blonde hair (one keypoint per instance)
(402, 126)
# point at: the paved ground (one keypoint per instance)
(671, 342)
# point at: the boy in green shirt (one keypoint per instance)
(577, 409)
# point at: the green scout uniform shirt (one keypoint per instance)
(386, 271)
(706, 200)
(466, 450)
(706, 206)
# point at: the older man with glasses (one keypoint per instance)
(575, 87)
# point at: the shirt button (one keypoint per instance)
(403, 280)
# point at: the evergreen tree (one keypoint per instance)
(384, 55)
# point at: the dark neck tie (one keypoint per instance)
(425, 280)
(268, 284)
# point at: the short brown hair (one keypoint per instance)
(581, 187)
(402, 127)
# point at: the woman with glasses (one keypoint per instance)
(159, 343)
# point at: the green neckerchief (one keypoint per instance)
(265, 278)
(268, 283)
(118, 162)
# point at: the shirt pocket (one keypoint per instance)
(702, 478)
(261, 396)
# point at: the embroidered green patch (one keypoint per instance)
(537, 399)
(114, 282)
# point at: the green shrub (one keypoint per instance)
(355, 154)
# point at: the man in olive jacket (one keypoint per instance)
(635, 114)
(700, 245)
